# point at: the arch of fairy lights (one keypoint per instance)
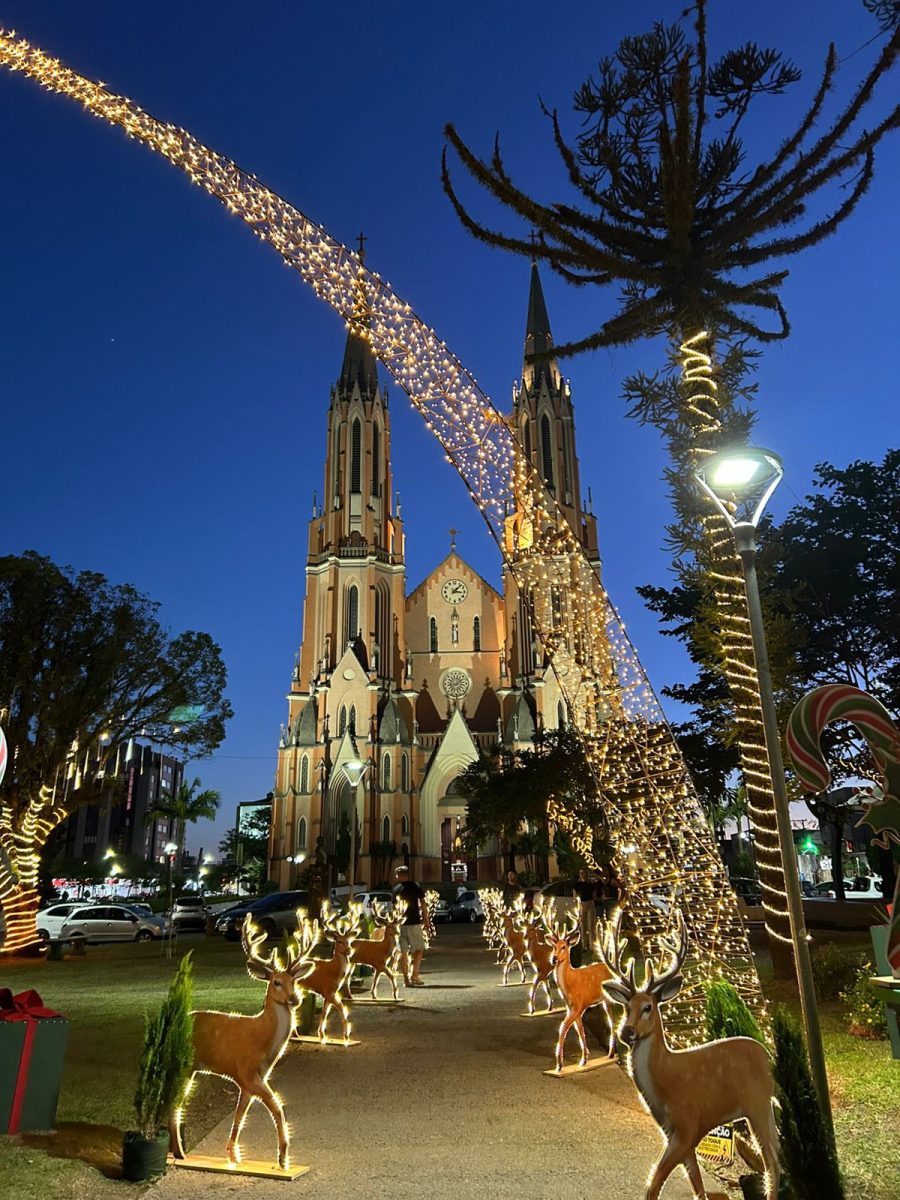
(663, 842)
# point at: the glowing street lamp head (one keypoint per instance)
(740, 481)
(354, 769)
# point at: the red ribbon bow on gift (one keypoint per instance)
(26, 1006)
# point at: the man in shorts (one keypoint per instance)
(412, 937)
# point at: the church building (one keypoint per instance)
(416, 685)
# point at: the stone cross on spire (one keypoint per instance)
(453, 533)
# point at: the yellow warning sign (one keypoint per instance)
(718, 1145)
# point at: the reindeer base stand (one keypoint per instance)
(247, 1166)
(577, 1069)
(325, 1041)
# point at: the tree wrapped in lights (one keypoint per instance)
(668, 209)
(654, 816)
(84, 664)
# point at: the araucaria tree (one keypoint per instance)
(668, 207)
(84, 665)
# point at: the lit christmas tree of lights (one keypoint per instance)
(663, 842)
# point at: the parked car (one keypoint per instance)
(863, 887)
(467, 907)
(189, 912)
(373, 901)
(112, 923)
(50, 920)
(274, 912)
(748, 889)
(441, 910)
(143, 910)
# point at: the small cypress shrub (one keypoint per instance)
(167, 1055)
(862, 1008)
(834, 969)
(807, 1145)
(727, 1015)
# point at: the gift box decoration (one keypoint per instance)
(32, 1050)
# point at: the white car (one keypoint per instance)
(50, 920)
(112, 923)
(373, 902)
(467, 907)
(863, 887)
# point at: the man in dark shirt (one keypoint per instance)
(585, 890)
(412, 937)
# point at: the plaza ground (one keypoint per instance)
(444, 1097)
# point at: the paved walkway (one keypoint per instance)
(444, 1100)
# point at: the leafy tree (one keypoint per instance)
(507, 795)
(667, 207)
(84, 665)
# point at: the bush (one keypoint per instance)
(862, 1008)
(167, 1055)
(834, 969)
(807, 1144)
(727, 1015)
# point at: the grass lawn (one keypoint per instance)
(105, 996)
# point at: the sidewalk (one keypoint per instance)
(445, 1100)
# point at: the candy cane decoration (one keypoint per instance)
(4, 754)
(841, 702)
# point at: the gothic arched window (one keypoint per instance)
(404, 826)
(526, 438)
(404, 773)
(301, 834)
(560, 715)
(386, 829)
(432, 626)
(546, 451)
(342, 720)
(355, 454)
(352, 612)
(304, 773)
(476, 634)
(352, 721)
(386, 773)
(376, 459)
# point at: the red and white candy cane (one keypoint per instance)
(842, 702)
(4, 754)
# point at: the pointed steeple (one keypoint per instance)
(538, 338)
(359, 360)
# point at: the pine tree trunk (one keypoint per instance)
(719, 561)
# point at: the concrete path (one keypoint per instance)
(445, 1100)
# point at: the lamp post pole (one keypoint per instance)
(742, 481)
(355, 770)
(745, 542)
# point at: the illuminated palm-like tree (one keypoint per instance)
(669, 210)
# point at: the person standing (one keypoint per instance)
(412, 935)
(585, 890)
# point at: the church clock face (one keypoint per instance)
(454, 591)
(455, 683)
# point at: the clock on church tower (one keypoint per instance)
(454, 591)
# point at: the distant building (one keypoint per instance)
(120, 824)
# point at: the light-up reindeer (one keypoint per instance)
(538, 940)
(245, 1049)
(492, 902)
(516, 948)
(381, 953)
(580, 987)
(330, 977)
(688, 1092)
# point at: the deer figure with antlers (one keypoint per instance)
(688, 1092)
(382, 951)
(580, 987)
(540, 952)
(329, 977)
(245, 1049)
(516, 949)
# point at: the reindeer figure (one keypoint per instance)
(540, 952)
(381, 952)
(330, 977)
(245, 1049)
(581, 988)
(688, 1092)
(492, 902)
(514, 939)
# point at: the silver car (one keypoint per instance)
(112, 923)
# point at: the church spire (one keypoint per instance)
(538, 338)
(360, 364)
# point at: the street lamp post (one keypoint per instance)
(170, 850)
(740, 482)
(355, 770)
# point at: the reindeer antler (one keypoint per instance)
(611, 948)
(677, 945)
(252, 937)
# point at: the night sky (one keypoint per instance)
(166, 378)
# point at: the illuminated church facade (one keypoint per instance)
(416, 684)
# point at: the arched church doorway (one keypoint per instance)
(456, 864)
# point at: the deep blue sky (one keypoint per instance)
(166, 378)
